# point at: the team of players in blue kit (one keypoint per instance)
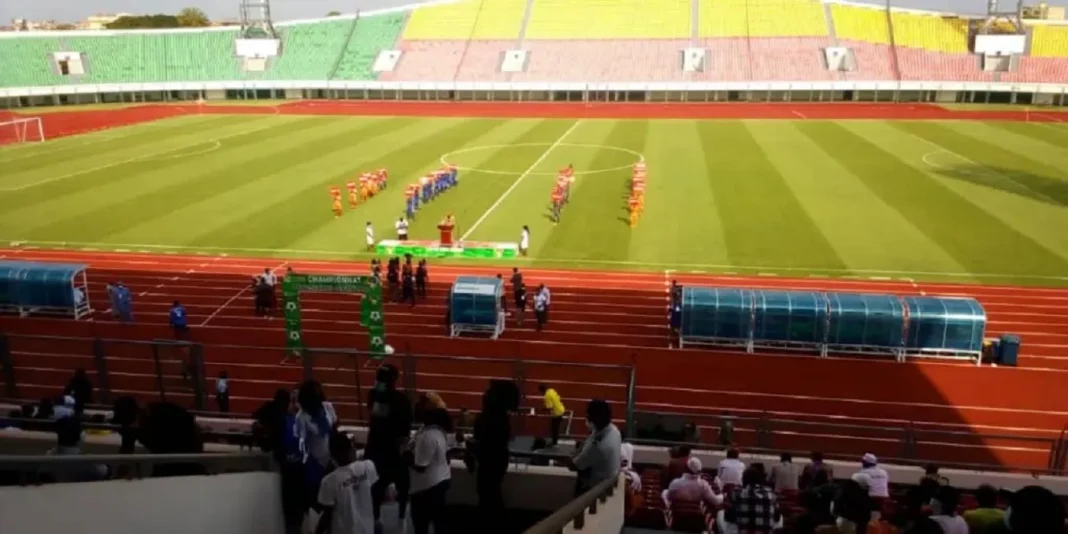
(428, 188)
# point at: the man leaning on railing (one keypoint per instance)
(599, 459)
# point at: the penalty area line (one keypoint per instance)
(515, 184)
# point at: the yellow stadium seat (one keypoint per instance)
(931, 32)
(610, 19)
(761, 18)
(471, 19)
(861, 24)
(1049, 41)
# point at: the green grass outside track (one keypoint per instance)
(967, 201)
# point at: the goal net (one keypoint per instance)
(21, 130)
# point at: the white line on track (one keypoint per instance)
(520, 179)
(244, 289)
(799, 114)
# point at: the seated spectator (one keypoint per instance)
(783, 476)
(45, 410)
(853, 512)
(626, 459)
(691, 487)
(811, 470)
(944, 511)
(68, 443)
(81, 389)
(987, 516)
(124, 413)
(676, 466)
(817, 511)
(755, 505)
(64, 408)
(1034, 510)
(731, 469)
(930, 471)
(873, 477)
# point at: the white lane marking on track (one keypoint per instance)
(244, 289)
(799, 114)
(520, 179)
(728, 269)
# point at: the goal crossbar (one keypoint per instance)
(15, 130)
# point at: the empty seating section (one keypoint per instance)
(482, 62)
(1038, 69)
(470, 19)
(789, 59)
(761, 18)
(600, 60)
(27, 62)
(427, 61)
(727, 61)
(930, 32)
(874, 62)
(116, 59)
(197, 56)
(1049, 41)
(610, 19)
(860, 24)
(310, 51)
(371, 35)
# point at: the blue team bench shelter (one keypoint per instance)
(44, 288)
(475, 306)
(826, 323)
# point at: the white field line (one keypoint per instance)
(520, 179)
(244, 289)
(799, 114)
(728, 269)
(146, 156)
(88, 138)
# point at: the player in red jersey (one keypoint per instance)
(557, 199)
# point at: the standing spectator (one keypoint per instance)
(222, 392)
(675, 294)
(520, 302)
(555, 408)
(408, 285)
(690, 433)
(376, 269)
(81, 389)
(124, 303)
(815, 466)
(388, 432)
(488, 450)
(517, 278)
(852, 509)
(930, 472)
(599, 458)
(179, 321)
(345, 493)
(422, 276)
(816, 506)
(541, 309)
(677, 464)
(755, 505)
(944, 510)
(784, 475)
(987, 518)
(504, 294)
(113, 298)
(726, 430)
(1034, 510)
(675, 322)
(544, 290)
(124, 413)
(269, 278)
(68, 443)
(262, 295)
(731, 470)
(691, 487)
(872, 476)
(393, 278)
(313, 424)
(430, 471)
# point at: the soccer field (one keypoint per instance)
(966, 200)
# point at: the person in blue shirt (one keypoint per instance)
(675, 321)
(179, 321)
(124, 301)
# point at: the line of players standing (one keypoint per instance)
(429, 187)
(636, 200)
(561, 194)
(403, 281)
(369, 184)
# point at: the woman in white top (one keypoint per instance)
(429, 471)
(314, 422)
(524, 240)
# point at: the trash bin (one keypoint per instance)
(1008, 349)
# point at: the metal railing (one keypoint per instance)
(575, 512)
(33, 470)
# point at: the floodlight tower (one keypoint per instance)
(996, 17)
(256, 20)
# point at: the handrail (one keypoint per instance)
(31, 469)
(575, 511)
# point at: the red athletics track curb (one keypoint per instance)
(66, 123)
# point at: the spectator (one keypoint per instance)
(554, 407)
(121, 302)
(944, 511)
(541, 309)
(731, 470)
(64, 408)
(430, 471)
(691, 487)
(924, 525)
(853, 512)
(675, 323)
(504, 294)
(599, 458)
(68, 443)
(1034, 510)
(313, 424)
(269, 278)
(81, 389)
(784, 475)
(262, 294)
(675, 293)
(726, 431)
(124, 413)
(167, 428)
(388, 433)
(113, 298)
(466, 419)
(222, 392)
(179, 321)
(812, 469)
(930, 471)
(987, 517)
(268, 421)
(544, 290)
(727, 521)
(45, 410)
(520, 291)
(393, 278)
(493, 432)
(677, 464)
(755, 504)
(345, 493)
(626, 464)
(816, 511)
(873, 477)
(422, 276)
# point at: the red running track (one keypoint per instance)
(597, 318)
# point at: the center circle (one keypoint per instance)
(445, 158)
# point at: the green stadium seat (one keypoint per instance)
(371, 35)
(310, 51)
(27, 62)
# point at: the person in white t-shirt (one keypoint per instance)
(269, 277)
(345, 493)
(524, 240)
(944, 511)
(873, 477)
(370, 236)
(430, 473)
(731, 469)
(402, 229)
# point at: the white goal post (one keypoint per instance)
(21, 130)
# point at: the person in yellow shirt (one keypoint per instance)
(555, 408)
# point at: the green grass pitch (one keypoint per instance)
(970, 201)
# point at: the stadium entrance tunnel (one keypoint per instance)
(475, 158)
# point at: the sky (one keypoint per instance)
(73, 10)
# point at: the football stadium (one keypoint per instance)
(782, 250)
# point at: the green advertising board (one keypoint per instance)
(432, 250)
(371, 313)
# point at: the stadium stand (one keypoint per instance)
(861, 24)
(930, 32)
(449, 60)
(198, 56)
(27, 62)
(1049, 41)
(610, 19)
(761, 18)
(476, 20)
(310, 51)
(603, 61)
(370, 36)
(874, 62)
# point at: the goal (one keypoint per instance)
(21, 130)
